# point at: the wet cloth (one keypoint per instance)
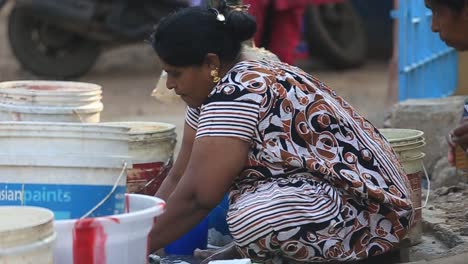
(320, 184)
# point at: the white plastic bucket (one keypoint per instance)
(68, 168)
(48, 138)
(118, 239)
(26, 235)
(51, 101)
(408, 144)
(151, 148)
(70, 186)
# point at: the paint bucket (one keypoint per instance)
(72, 169)
(151, 148)
(49, 138)
(117, 239)
(26, 235)
(195, 238)
(408, 145)
(50, 101)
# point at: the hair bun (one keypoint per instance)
(241, 25)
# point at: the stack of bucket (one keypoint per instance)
(408, 144)
(54, 155)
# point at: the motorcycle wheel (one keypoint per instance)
(335, 34)
(48, 50)
(2, 2)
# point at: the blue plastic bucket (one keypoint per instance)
(217, 217)
(195, 238)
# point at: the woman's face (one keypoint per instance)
(451, 26)
(192, 83)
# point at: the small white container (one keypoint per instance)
(26, 235)
(50, 101)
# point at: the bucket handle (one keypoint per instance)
(428, 188)
(124, 169)
(79, 116)
(163, 169)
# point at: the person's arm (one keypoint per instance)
(214, 163)
(180, 164)
(458, 136)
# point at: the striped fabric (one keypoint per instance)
(282, 208)
(228, 119)
(191, 117)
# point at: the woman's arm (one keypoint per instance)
(180, 164)
(215, 162)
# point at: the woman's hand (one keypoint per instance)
(214, 163)
(458, 136)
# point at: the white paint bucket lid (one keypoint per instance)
(21, 226)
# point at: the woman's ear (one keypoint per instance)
(212, 61)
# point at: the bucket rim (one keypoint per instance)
(156, 210)
(80, 95)
(409, 146)
(51, 126)
(21, 87)
(166, 127)
(412, 134)
(415, 158)
(47, 216)
(94, 107)
(59, 160)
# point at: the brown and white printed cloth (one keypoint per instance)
(320, 184)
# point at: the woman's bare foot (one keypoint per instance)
(227, 252)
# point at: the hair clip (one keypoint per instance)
(220, 17)
(239, 8)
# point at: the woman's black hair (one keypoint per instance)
(455, 5)
(185, 38)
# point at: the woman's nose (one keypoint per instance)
(170, 84)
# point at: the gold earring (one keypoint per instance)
(215, 75)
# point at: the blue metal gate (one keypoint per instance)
(427, 67)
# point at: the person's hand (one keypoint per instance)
(458, 136)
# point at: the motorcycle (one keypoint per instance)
(335, 33)
(62, 39)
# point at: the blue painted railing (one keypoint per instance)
(427, 67)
